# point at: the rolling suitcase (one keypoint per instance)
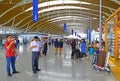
(101, 59)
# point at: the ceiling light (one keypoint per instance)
(61, 7)
(66, 17)
(58, 2)
(94, 18)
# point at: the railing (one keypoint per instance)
(113, 23)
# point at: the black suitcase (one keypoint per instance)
(77, 53)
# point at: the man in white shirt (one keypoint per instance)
(35, 47)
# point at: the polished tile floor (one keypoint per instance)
(54, 68)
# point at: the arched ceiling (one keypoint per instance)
(54, 13)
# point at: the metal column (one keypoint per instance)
(100, 24)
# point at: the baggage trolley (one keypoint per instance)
(100, 61)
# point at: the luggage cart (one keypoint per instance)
(100, 61)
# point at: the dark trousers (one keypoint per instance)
(45, 51)
(35, 60)
(73, 53)
(10, 61)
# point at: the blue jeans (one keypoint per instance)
(17, 46)
(2, 46)
(10, 61)
(35, 60)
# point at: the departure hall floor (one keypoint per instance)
(54, 68)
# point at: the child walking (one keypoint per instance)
(91, 52)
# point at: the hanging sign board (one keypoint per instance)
(35, 10)
(72, 31)
(88, 32)
(65, 27)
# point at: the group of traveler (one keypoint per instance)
(58, 46)
(80, 49)
(38, 48)
(11, 55)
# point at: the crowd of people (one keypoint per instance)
(36, 46)
(80, 49)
